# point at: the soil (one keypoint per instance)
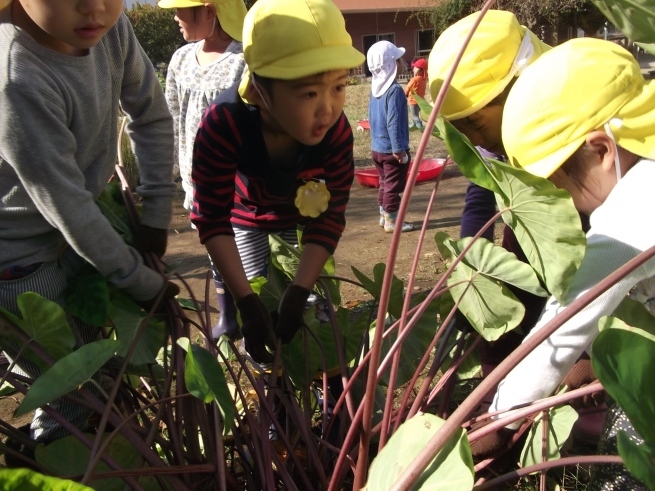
(363, 244)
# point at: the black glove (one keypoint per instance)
(149, 239)
(170, 290)
(290, 313)
(491, 444)
(581, 375)
(257, 328)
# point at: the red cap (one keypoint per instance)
(421, 63)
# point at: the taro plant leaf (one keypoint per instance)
(452, 468)
(126, 317)
(303, 358)
(546, 224)
(560, 423)
(630, 315)
(67, 374)
(87, 296)
(639, 459)
(467, 157)
(426, 109)
(188, 304)
(624, 363)
(26, 479)
(415, 344)
(205, 380)
(635, 18)
(490, 307)
(69, 457)
(45, 322)
(286, 258)
(374, 287)
(471, 365)
(111, 204)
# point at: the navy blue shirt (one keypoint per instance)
(387, 117)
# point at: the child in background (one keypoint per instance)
(284, 159)
(387, 114)
(198, 72)
(416, 85)
(65, 70)
(582, 116)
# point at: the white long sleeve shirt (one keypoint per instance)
(620, 230)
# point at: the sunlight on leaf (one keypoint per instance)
(204, 378)
(67, 374)
(15, 479)
(639, 459)
(634, 18)
(451, 469)
(560, 423)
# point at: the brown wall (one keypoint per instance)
(359, 25)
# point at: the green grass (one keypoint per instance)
(356, 108)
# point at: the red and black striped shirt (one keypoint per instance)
(235, 182)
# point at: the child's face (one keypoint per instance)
(416, 71)
(308, 107)
(196, 23)
(69, 26)
(483, 128)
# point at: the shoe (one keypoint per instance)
(227, 321)
(381, 217)
(390, 223)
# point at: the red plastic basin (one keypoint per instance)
(429, 170)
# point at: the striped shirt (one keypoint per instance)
(235, 182)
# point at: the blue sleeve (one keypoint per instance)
(479, 208)
(397, 119)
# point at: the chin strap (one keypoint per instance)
(254, 84)
(617, 123)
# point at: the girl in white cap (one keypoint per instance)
(387, 114)
(582, 116)
(198, 72)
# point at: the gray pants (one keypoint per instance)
(50, 281)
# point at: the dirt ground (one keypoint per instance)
(363, 245)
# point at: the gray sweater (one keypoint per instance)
(58, 133)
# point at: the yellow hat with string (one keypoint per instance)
(499, 49)
(574, 89)
(291, 39)
(230, 13)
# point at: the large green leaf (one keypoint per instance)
(113, 208)
(415, 344)
(67, 374)
(631, 316)
(560, 423)
(624, 363)
(451, 469)
(69, 457)
(87, 296)
(639, 459)
(374, 287)
(490, 307)
(205, 380)
(635, 18)
(467, 157)
(45, 322)
(126, 317)
(29, 480)
(471, 365)
(546, 224)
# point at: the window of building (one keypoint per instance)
(424, 42)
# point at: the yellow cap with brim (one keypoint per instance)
(571, 91)
(230, 13)
(499, 49)
(290, 39)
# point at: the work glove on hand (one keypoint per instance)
(290, 313)
(149, 239)
(581, 375)
(170, 291)
(257, 328)
(491, 444)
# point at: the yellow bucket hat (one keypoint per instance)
(290, 39)
(230, 13)
(499, 49)
(570, 91)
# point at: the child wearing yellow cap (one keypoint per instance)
(199, 71)
(498, 52)
(283, 159)
(582, 116)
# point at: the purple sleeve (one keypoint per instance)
(479, 208)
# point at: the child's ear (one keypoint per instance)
(604, 149)
(210, 11)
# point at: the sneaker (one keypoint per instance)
(390, 223)
(381, 217)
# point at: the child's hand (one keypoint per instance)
(290, 314)
(402, 157)
(170, 291)
(257, 328)
(150, 239)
